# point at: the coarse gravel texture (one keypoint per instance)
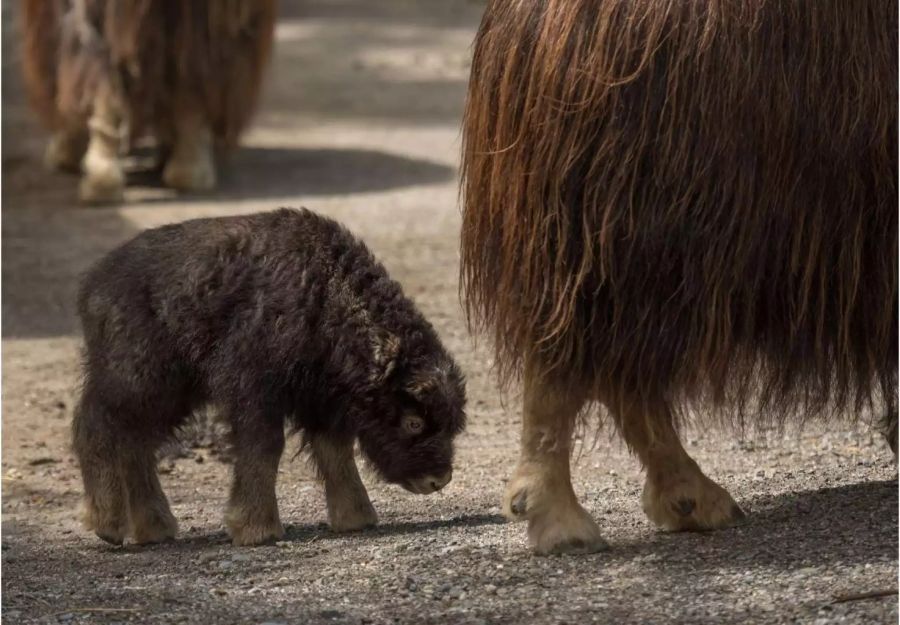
(360, 121)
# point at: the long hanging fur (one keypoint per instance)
(688, 202)
(172, 57)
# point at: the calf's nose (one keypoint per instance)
(437, 483)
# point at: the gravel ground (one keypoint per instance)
(361, 122)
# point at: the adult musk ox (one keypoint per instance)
(274, 317)
(102, 72)
(680, 209)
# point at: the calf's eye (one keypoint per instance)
(412, 424)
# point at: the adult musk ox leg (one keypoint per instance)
(348, 502)
(103, 181)
(252, 514)
(541, 490)
(150, 520)
(96, 445)
(677, 495)
(190, 166)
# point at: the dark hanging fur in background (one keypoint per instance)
(685, 208)
(186, 72)
(272, 318)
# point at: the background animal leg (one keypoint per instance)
(103, 180)
(66, 149)
(190, 165)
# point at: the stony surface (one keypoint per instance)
(361, 121)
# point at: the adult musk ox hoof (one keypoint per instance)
(557, 524)
(565, 531)
(690, 502)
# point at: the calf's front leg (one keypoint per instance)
(252, 513)
(346, 498)
(541, 490)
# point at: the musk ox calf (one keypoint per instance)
(273, 317)
(680, 209)
(102, 72)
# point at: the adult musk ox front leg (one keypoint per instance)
(677, 495)
(541, 490)
(348, 502)
(252, 514)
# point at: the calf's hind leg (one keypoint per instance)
(541, 490)
(96, 445)
(348, 502)
(150, 520)
(252, 513)
(677, 495)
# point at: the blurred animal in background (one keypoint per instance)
(103, 73)
(274, 318)
(680, 210)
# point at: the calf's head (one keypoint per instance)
(417, 411)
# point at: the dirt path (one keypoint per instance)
(361, 122)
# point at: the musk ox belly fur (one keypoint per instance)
(101, 72)
(274, 317)
(693, 202)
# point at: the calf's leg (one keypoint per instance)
(150, 520)
(346, 498)
(541, 490)
(677, 495)
(96, 445)
(252, 513)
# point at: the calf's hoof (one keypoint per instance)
(110, 527)
(357, 516)
(253, 529)
(157, 526)
(690, 501)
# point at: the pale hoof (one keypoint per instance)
(106, 186)
(690, 501)
(357, 517)
(570, 530)
(557, 524)
(158, 527)
(195, 175)
(246, 531)
(109, 527)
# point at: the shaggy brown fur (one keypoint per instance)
(169, 55)
(103, 72)
(692, 201)
(680, 208)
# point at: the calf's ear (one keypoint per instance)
(385, 351)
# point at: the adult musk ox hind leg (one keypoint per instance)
(677, 495)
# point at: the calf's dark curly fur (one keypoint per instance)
(274, 316)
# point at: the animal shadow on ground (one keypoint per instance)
(844, 525)
(275, 172)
